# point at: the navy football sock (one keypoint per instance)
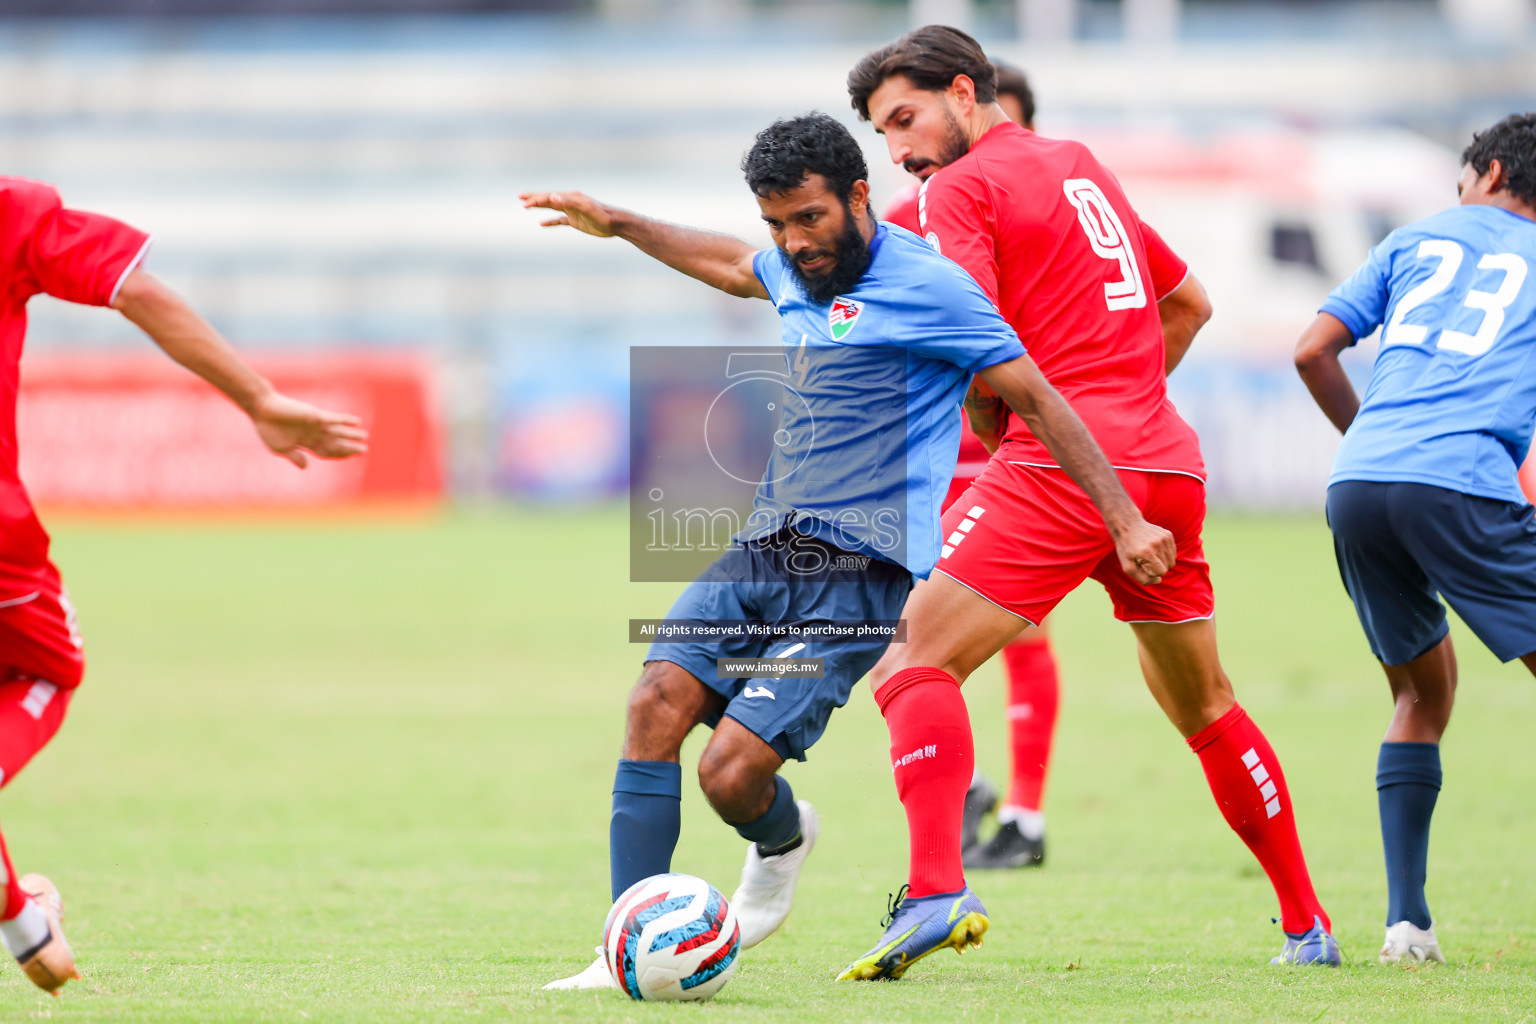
(647, 817)
(1407, 783)
(778, 830)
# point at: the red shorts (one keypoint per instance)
(31, 711)
(1033, 536)
(39, 638)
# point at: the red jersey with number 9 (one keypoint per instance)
(71, 255)
(1045, 230)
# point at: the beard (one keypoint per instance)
(852, 259)
(954, 146)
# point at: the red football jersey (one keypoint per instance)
(75, 256)
(1167, 269)
(1046, 231)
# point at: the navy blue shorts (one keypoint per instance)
(1398, 544)
(769, 581)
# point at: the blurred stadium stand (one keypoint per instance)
(278, 8)
(325, 174)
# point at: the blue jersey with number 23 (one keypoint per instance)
(1452, 398)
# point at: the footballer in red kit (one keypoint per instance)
(1029, 663)
(1048, 234)
(1098, 335)
(48, 248)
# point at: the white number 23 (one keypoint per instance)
(1492, 304)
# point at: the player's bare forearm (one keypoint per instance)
(1183, 312)
(189, 339)
(1146, 551)
(1317, 360)
(286, 425)
(987, 413)
(720, 261)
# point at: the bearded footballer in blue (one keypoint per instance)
(1424, 498)
(848, 287)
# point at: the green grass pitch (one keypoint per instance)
(360, 772)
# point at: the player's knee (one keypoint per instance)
(1213, 697)
(895, 658)
(658, 693)
(1426, 699)
(1194, 698)
(647, 702)
(657, 718)
(1425, 688)
(733, 784)
(913, 656)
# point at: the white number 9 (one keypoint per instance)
(1107, 236)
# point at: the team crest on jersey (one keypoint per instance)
(843, 315)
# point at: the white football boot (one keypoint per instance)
(767, 889)
(1408, 943)
(596, 975)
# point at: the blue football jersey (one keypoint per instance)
(870, 427)
(1452, 397)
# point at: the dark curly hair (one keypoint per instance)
(930, 57)
(1512, 142)
(785, 152)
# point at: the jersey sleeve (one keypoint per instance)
(1167, 269)
(956, 216)
(69, 254)
(768, 265)
(1360, 303)
(961, 325)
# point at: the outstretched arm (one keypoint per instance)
(1317, 360)
(1146, 551)
(287, 426)
(720, 261)
(1183, 312)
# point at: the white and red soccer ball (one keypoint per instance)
(671, 937)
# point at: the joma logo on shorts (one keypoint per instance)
(931, 750)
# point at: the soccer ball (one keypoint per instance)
(671, 937)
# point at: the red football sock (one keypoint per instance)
(933, 758)
(15, 899)
(1034, 692)
(31, 711)
(1245, 778)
